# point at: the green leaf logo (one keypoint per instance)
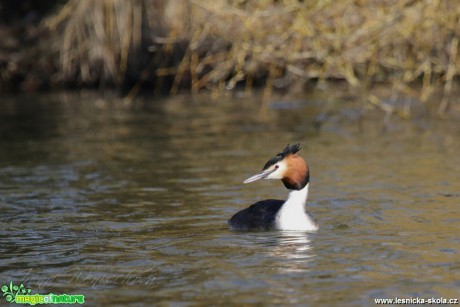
(10, 291)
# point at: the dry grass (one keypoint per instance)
(217, 44)
(96, 37)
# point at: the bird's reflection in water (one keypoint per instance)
(295, 248)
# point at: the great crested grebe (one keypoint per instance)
(272, 214)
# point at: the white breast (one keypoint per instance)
(292, 215)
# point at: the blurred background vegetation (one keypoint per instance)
(409, 46)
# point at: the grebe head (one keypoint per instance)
(288, 166)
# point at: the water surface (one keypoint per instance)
(128, 205)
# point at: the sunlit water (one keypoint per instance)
(128, 205)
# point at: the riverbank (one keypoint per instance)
(175, 46)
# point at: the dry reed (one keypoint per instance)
(220, 44)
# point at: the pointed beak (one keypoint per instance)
(261, 175)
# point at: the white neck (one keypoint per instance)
(292, 215)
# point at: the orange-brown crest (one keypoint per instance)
(297, 174)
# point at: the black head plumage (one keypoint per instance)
(289, 150)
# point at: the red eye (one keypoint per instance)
(276, 166)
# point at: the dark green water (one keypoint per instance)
(129, 205)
